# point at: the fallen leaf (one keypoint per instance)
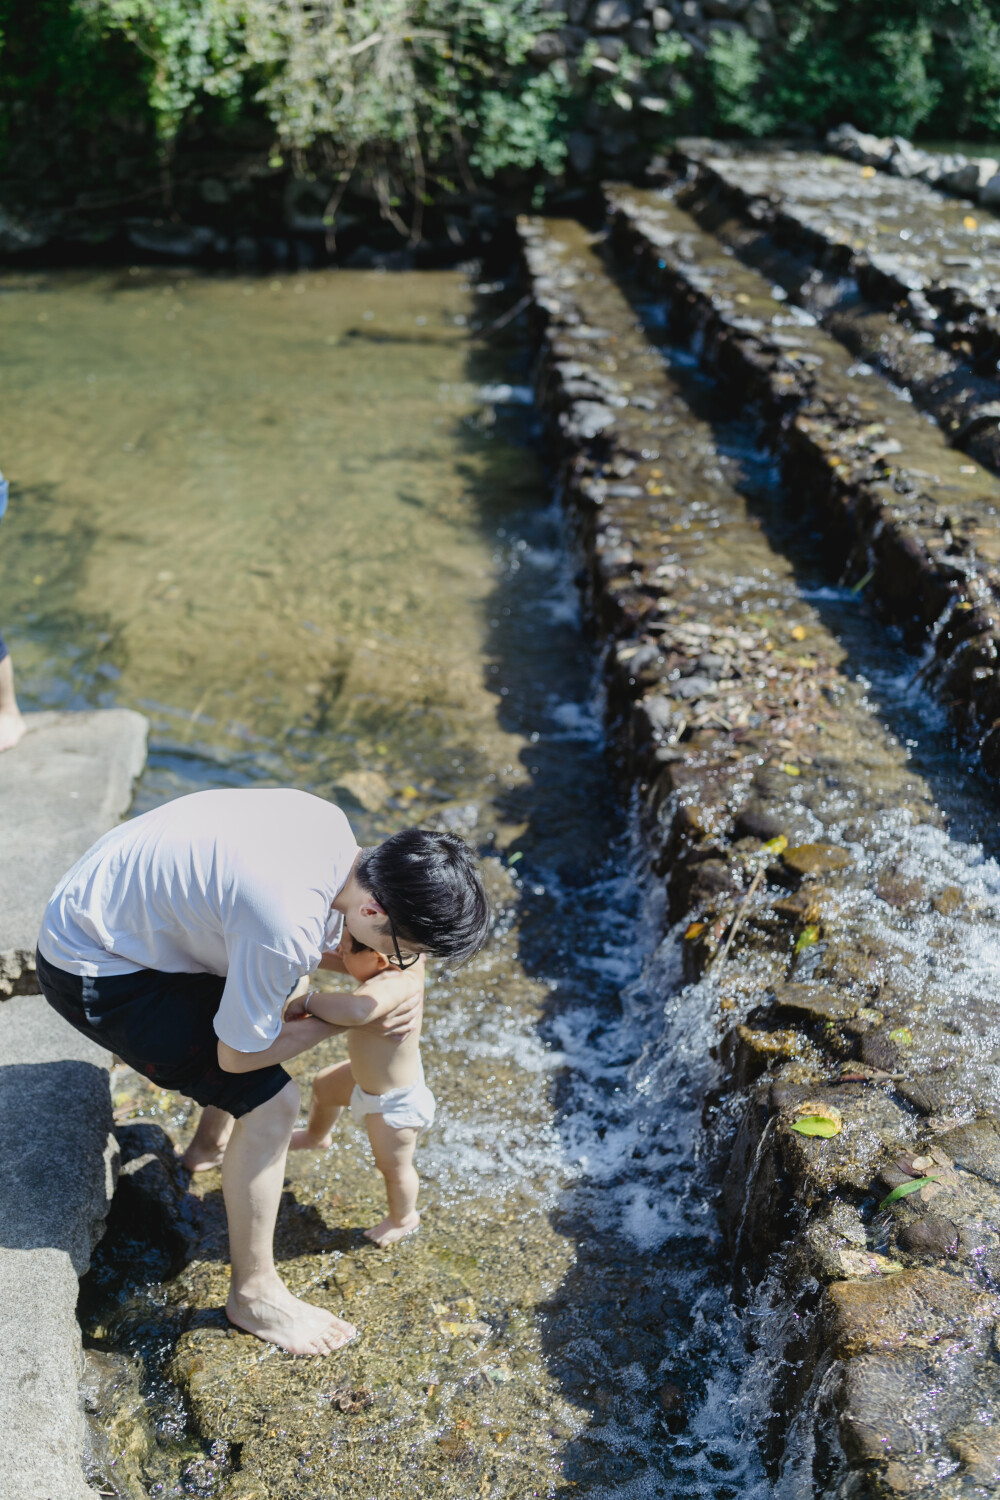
(969, 222)
(789, 769)
(693, 930)
(868, 171)
(775, 846)
(902, 1035)
(807, 937)
(906, 1188)
(798, 632)
(816, 1125)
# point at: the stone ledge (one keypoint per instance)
(67, 782)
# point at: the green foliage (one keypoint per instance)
(187, 47)
(735, 69)
(419, 99)
(56, 65)
(838, 65)
(395, 85)
(971, 73)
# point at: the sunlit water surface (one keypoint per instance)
(287, 521)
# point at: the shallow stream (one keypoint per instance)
(300, 524)
(303, 525)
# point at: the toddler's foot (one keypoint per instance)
(390, 1230)
(304, 1140)
(12, 727)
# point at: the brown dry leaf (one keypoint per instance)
(352, 1401)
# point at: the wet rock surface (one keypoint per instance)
(906, 516)
(897, 274)
(843, 939)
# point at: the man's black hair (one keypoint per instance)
(430, 886)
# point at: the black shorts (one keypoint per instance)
(161, 1025)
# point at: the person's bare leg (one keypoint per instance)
(393, 1150)
(12, 724)
(208, 1144)
(331, 1094)
(253, 1172)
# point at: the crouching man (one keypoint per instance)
(176, 942)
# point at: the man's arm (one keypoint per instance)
(294, 1037)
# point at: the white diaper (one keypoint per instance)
(408, 1108)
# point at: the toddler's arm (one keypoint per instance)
(390, 1002)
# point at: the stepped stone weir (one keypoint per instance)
(850, 943)
(905, 513)
(904, 277)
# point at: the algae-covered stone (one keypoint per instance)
(932, 1235)
(876, 1396)
(753, 1052)
(975, 1147)
(815, 859)
(915, 1308)
(977, 1447)
(815, 1002)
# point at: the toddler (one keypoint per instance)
(383, 1084)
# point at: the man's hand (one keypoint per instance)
(295, 1010)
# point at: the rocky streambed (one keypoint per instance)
(711, 1207)
(843, 939)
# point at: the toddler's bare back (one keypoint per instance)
(380, 1063)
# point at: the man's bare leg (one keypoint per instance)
(393, 1151)
(331, 1094)
(12, 725)
(208, 1144)
(253, 1172)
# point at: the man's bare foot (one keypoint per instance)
(12, 727)
(390, 1230)
(304, 1140)
(274, 1315)
(198, 1158)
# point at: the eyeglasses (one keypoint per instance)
(400, 962)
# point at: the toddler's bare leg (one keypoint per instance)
(331, 1093)
(209, 1141)
(393, 1151)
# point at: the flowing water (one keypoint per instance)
(300, 523)
(303, 525)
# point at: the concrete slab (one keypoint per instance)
(67, 782)
(57, 1159)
